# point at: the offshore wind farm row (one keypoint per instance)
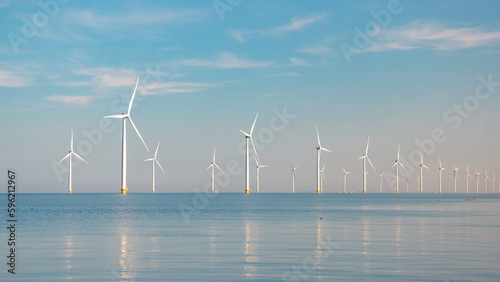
(320, 170)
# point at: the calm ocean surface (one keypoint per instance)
(173, 237)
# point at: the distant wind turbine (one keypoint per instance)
(422, 173)
(467, 176)
(213, 165)
(365, 157)
(248, 137)
(323, 177)
(381, 175)
(493, 183)
(155, 160)
(293, 177)
(258, 174)
(486, 178)
(319, 149)
(407, 181)
(477, 181)
(441, 168)
(345, 177)
(397, 164)
(455, 169)
(70, 156)
(124, 118)
(418, 185)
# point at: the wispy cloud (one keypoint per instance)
(71, 100)
(13, 79)
(227, 61)
(298, 62)
(317, 50)
(419, 35)
(296, 24)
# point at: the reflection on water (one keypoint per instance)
(250, 251)
(69, 255)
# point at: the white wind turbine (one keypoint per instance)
(124, 118)
(467, 176)
(441, 168)
(381, 175)
(248, 137)
(486, 178)
(213, 165)
(319, 149)
(397, 164)
(422, 173)
(293, 177)
(69, 155)
(345, 177)
(258, 174)
(155, 160)
(365, 157)
(477, 181)
(323, 177)
(455, 169)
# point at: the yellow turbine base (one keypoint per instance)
(397, 192)
(247, 191)
(123, 190)
(364, 191)
(69, 191)
(153, 191)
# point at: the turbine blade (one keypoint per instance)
(398, 152)
(362, 157)
(160, 165)
(210, 166)
(79, 157)
(65, 157)
(156, 153)
(72, 140)
(246, 134)
(317, 134)
(132, 100)
(426, 166)
(253, 125)
(367, 144)
(403, 166)
(218, 168)
(147, 160)
(394, 164)
(343, 169)
(325, 149)
(255, 152)
(421, 158)
(133, 125)
(370, 163)
(213, 159)
(115, 116)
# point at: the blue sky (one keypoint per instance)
(207, 67)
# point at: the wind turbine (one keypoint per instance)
(486, 178)
(155, 160)
(493, 183)
(248, 137)
(441, 168)
(213, 165)
(70, 156)
(422, 172)
(124, 118)
(397, 164)
(258, 173)
(418, 185)
(477, 182)
(467, 176)
(319, 149)
(293, 177)
(323, 177)
(455, 169)
(365, 157)
(381, 175)
(345, 177)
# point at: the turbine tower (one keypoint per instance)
(365, 157)
(397, 164)
(213, 165)
(293, 177)
(493, 183)
(441, 168)
(323, 177)
(248, 138)
(467, 176)
(319, 149)
(477, 181)
(455, 169)
(422, 173)
(155, 160)
(124, 118)
(381, 175)
(486, 178)
(70, 156)
(258, 174)
(418, 185)
(345, 177)
(407, 181)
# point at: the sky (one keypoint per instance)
(422, 74)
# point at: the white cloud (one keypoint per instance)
(73, 100)
(418, 35)
(13, 79)
(237, 34)
(227, 61)
(298, 62)
(317, 50)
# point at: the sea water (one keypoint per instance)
(217, 237)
